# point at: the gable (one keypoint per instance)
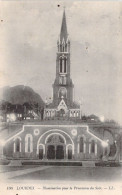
(62, 105)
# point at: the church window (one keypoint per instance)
(92, 146)
(81, 144)
(63, 92)
(28, 143)
(74, 114)
(60, 47)
(61, 65)
(17, 145)
(65, 61)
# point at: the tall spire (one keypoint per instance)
(63, 33)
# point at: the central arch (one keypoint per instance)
(55, 144)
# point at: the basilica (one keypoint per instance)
(57, 139)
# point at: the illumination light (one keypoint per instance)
(12, 117)
(102, 118)
(2, 142)
(104, 144)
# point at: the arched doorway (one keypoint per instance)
(61, 112)
(55, 146)
(41, 152)
(69, 151)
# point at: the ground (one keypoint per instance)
(62, 173)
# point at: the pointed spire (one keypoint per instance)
(63, 33)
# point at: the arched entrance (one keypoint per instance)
(55, 146)
(69, 151)
(61, 112)
(41, 152)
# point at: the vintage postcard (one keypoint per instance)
(60, 97)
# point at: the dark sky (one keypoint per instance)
(28, 36)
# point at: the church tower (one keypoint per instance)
(63, 87)
(62, 104)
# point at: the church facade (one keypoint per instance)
(63, 104)
(77, 142)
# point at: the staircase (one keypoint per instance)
(88, 163)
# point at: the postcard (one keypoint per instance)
(60, 97)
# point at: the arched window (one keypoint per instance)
(65, 61)
(74, 114)
(81, 144)
(92, 146)
(62, 92)
(28, 143)
(61, 65)
(17, 144)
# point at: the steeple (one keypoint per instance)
(62, 105)
(63, 33)
(63, 42)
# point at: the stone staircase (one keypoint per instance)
(88, 163)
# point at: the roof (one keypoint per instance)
(73, 106)
(51, 106)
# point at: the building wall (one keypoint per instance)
(39, 134)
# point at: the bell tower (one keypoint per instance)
(63, 86)
(62, 105)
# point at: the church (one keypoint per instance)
(58, 140)
(63, 104)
